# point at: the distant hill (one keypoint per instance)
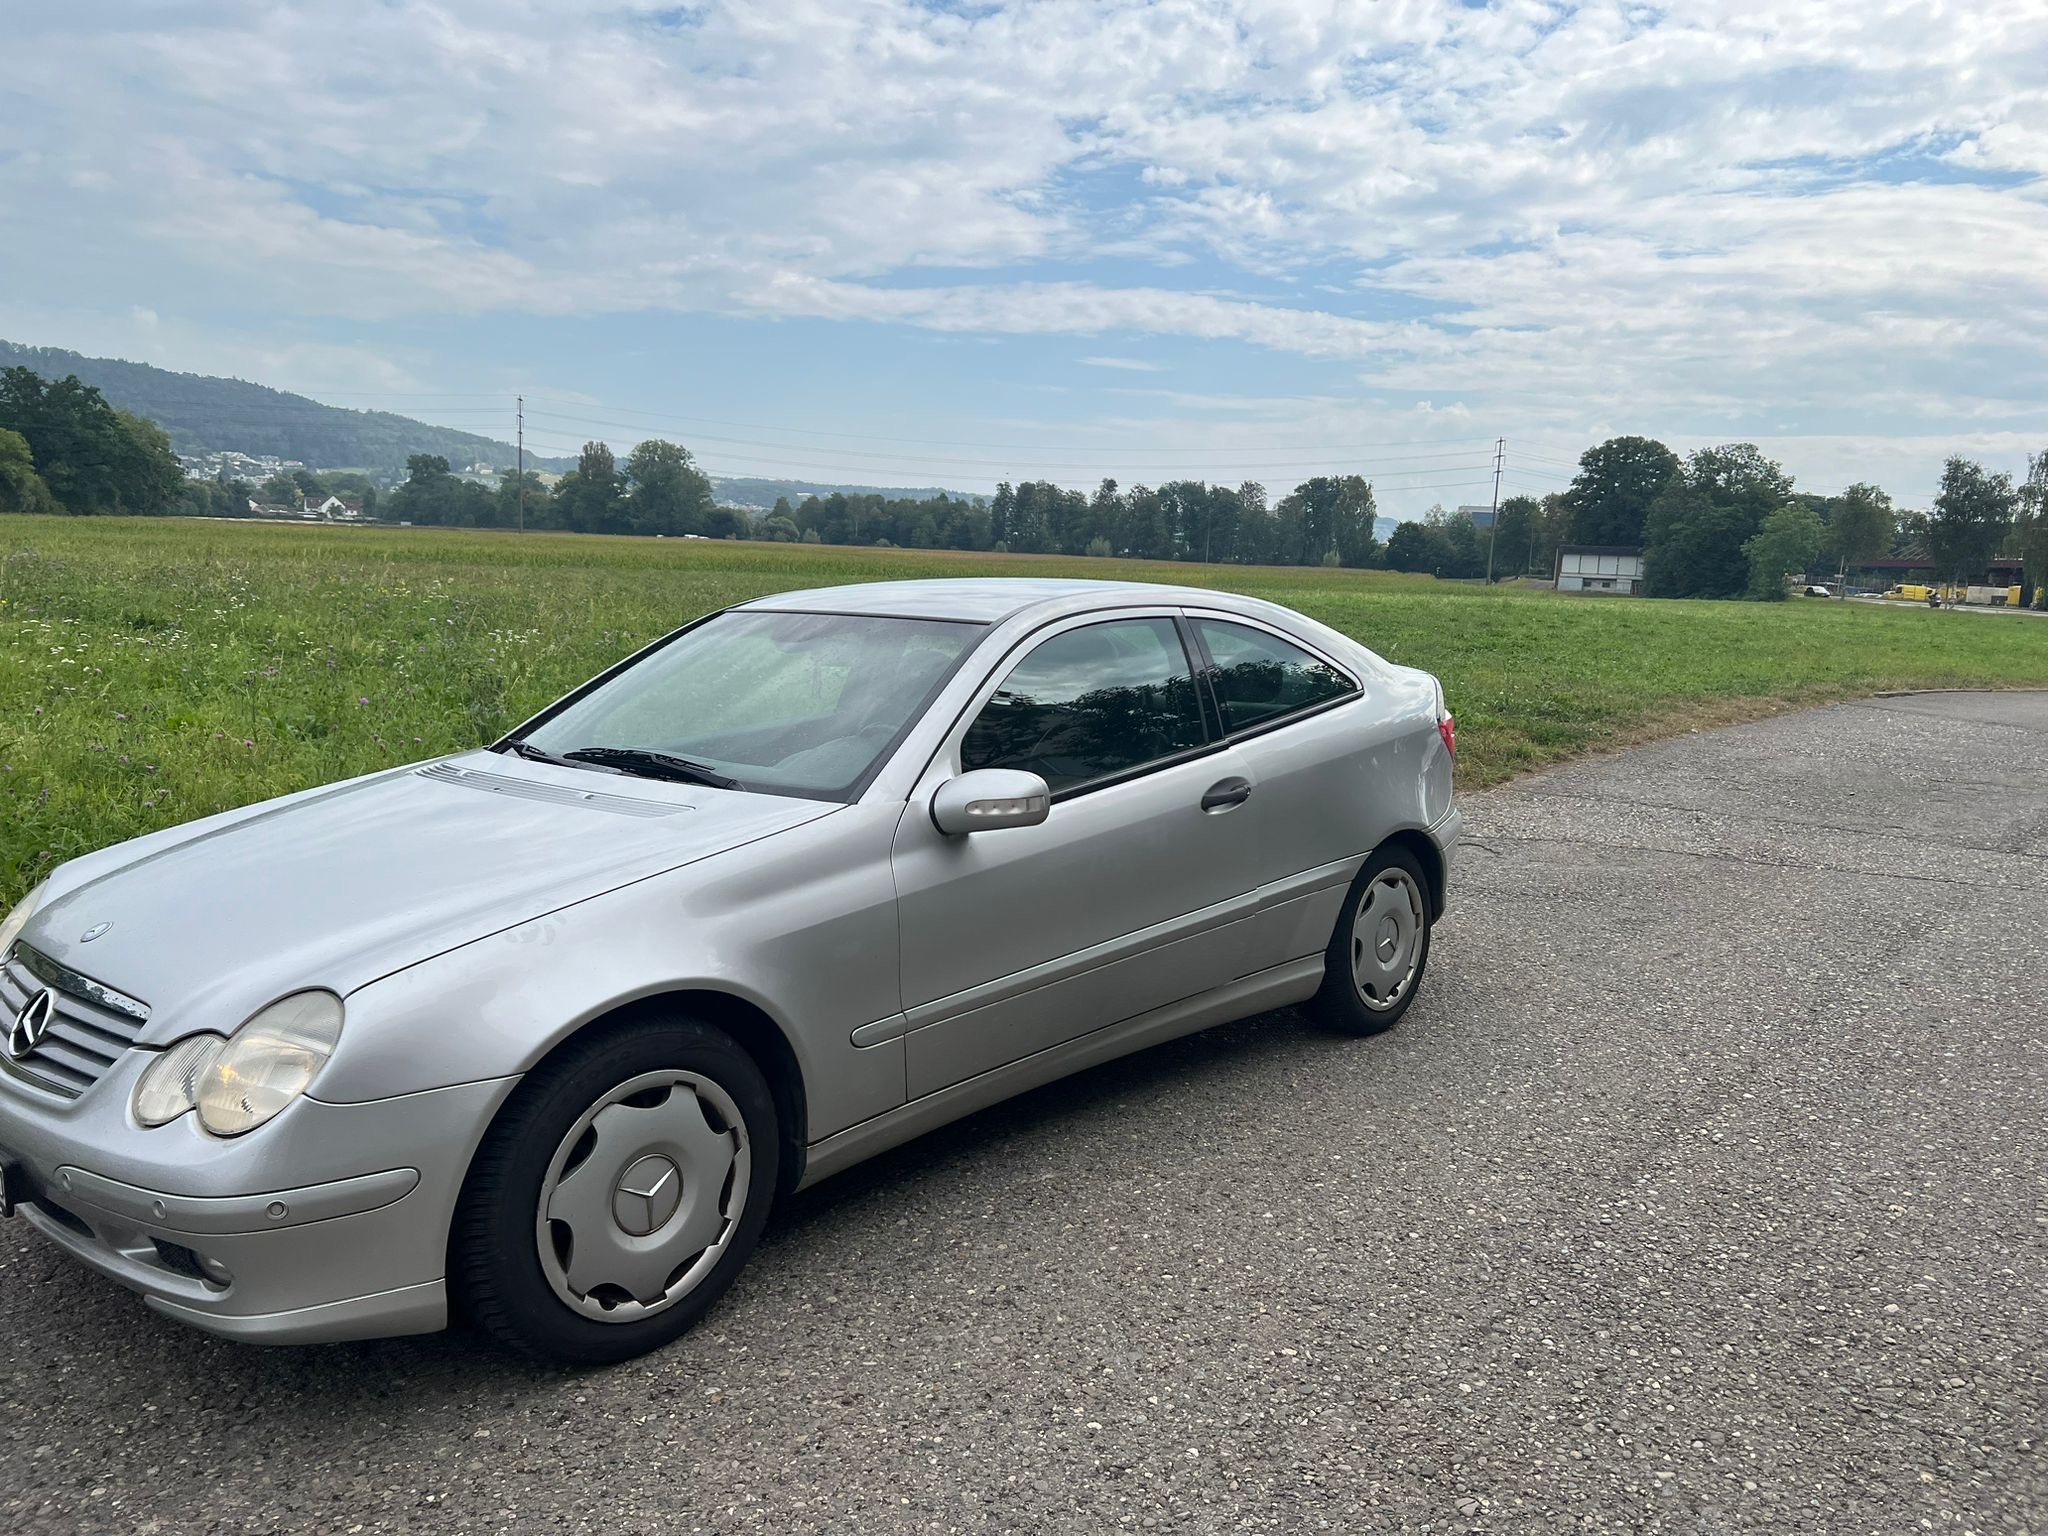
(743, 491)
(205, 415)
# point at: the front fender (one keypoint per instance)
(801, 926)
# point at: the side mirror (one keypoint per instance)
(988, 799)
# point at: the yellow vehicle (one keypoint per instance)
(1909, 593)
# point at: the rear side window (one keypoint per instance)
(1090, 704)
(1260, 677)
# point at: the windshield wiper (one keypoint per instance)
(533, 754)
(652, 764)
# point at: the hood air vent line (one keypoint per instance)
(553, 794)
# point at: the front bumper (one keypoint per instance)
(330, 1223)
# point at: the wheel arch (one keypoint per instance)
(1423, 848)
(753, 1028)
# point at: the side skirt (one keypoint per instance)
(1294, 982)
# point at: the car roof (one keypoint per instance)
(981, 599)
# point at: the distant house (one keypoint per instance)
(1599, 568)
(335, 509)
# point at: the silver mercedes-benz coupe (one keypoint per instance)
(536, 1034)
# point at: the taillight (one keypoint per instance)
(1448, 729)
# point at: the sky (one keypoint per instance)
(950, 243)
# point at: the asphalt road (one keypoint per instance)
(1704, 1189)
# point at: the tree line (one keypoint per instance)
(64, 449)
(1724, 521)
(1327, 520)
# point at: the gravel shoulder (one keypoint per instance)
(1705, 1188)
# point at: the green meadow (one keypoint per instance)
(154, 670)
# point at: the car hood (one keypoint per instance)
(336, 887)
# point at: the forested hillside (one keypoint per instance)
(203, 414)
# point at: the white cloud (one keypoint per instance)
(1126, 364)
(1701, 215)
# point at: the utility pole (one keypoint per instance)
(1500, 449)
(521, 402)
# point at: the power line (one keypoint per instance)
(1112, 457)
(933, 442)
(728, 464)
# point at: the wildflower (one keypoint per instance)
(247, 742)
(119, 716)
(362, 701)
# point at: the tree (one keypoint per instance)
(1972, 512)
(90, 457)
(670, 494)
(1146, 534)
(1105, 517)
(21, 488)
(1609, 499)
(150, 476)
(509, 513)
(1464, 551)
(1789, 541)
(589, 496)
(1330, 512)
(1861, 527)
(2031, 531)
(727, 523)
(1255, 525)
(1513, 535)
(1417, 547)
(280, 490)
(1703, 517)
(432, 496)
(1002, 513)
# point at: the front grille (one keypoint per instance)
(89, 1029)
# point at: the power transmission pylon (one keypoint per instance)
(1500, 449)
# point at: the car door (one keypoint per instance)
(1129, 896)
(1299, 722)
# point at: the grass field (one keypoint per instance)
(152, 671)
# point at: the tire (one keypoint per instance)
(1394, 894)
(601, 1218)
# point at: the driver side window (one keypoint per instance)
(1089, 704)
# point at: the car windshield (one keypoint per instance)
(791, 703)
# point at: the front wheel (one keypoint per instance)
(617, 1195)
(1376, 957)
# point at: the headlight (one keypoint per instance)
(171, 1085)
(238, 1083)
(12, 924)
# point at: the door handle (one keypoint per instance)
(1225, 793)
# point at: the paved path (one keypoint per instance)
(1705, 1189)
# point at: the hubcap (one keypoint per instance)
(643, 1196)
(647, 1196)
(1386, 939)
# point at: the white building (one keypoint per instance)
(1599, 568)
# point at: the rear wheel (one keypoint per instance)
(1380, 948)
(618, 1194)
